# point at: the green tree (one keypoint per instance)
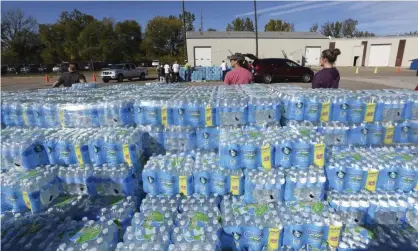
(189, 19)
(163, 36)
(20, 42)
(314, 27)
(129, 38)
(411, 33)
(349, 27)
(241, 24)
(278, 25)
(332, 29)
(363, 34)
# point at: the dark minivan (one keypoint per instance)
(268, 70)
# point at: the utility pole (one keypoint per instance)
(256, 28)
(184, 33)
(201, 20)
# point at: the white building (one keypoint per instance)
(210, 48)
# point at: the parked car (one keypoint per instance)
(14, 69)
(120, 72)
(155, 62)
(31, 68)
(268, 70)
(60, 67)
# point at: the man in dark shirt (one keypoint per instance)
(71, 77)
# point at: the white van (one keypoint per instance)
(155, 62)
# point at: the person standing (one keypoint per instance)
(187, 73)
(159, 72)
(223, 68)
(166, 72)
(71, 77)
(239, 75)
(162, 73)
(328, 76)
(176, 69)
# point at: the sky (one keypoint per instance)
(380, 17)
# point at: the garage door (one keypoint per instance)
(203, 56)
(379, 55)
(312, 55)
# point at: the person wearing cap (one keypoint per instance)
(239, 75)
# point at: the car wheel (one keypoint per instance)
(267, 78)
(142, 77)
(306, 78)
(105, 80)
(120, 78)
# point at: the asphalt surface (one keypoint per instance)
(365, 79)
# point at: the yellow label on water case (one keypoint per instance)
(389, 135)
(164, 117)
(183, 185)
(266, 156)
(26, 200)
(127, 154)
(273, 239)
(78, 155)
(372, 180)
(325, 111)
(208, 115)
(235, 185)
(61, 117)
(333, 235)
(25, 117)
(370, 109)
(319, 155)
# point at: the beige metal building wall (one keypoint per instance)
(270, 44)
(220, 48)
(354, 47)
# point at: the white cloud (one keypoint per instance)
(304, 8)
(280, 7)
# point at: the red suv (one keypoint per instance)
(268, 70)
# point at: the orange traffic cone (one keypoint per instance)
(94, 78)
(399, 70)
(46, 78)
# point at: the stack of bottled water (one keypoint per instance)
(210, 178)
(22, 149)
(197, 225)
(169, 174)
(31, 148)
(275, 226)
(354, 169)
(29, 189)
(305, 185)
(99, 180)
(381, 237)
(370, 208)
(264, 186)
(252, 148)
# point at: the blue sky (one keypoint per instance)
(378, 17)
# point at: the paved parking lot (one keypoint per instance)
(366, 79)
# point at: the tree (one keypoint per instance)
(190, 18)
(332, 29)
(363, 34)
(20, 42)
(314, 27)
(411, 33)
(346, 28)
(278, 25)
(211, 29)
(163, 36)
(129, 38)
(349, 27)
(241, 24)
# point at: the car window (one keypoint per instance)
(126, 67)
(291, 64)
(133, 67)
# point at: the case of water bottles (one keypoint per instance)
(211, 167)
